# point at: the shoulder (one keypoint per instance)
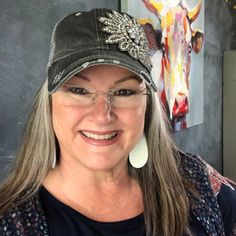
(193, 169)
(213, 187)
(225, 191)
(191, 163)
(25, 219)
(218, 182)
(222, 187)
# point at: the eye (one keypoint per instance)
(190, 48)
(163, 50)
(77, 90)
(125, 92)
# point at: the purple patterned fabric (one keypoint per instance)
(25, 220)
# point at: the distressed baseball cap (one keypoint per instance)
(100, 36)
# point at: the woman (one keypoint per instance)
(96, 157)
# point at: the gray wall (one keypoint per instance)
(25, 28)
(206, 139)
(229, 111)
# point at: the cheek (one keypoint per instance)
(64, 118)
(135, 128)
(134, 119)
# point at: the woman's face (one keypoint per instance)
(96, 130)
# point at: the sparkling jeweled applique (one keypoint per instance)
(128, 34)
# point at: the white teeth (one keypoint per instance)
(100, 137)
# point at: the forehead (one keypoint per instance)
(176, 24)
(109, 73)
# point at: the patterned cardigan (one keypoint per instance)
(215, 209)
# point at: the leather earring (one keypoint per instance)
(139, 155)
(54, 160)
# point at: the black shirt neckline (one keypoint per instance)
(48, 199)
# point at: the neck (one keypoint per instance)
(72, 177)
(100, 195)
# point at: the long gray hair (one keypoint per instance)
(35, 155)
(165, 200)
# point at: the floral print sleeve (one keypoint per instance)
(25, 220)
(225, 191)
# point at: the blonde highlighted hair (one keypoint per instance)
(35, 155)
(166, 205)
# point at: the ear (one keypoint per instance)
(153, 36)
(197, 40)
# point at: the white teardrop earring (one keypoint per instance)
(54, 160)
(139, 155)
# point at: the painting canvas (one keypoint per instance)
(175, 30)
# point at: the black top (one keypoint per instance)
(63, 220)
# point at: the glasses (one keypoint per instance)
(117, 98)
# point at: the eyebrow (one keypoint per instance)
(125, 78)
(79, 76)
(129, 77)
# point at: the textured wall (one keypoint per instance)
(25, 28)
(229, 111)
(206, 139)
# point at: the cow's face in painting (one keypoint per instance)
(177, 42)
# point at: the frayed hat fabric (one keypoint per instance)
(100, 36)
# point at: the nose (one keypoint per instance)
(101, 111)
(181, 105)
(106, 96)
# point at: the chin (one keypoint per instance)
(105, 165)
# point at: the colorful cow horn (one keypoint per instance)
(154, 7)
(193, 14)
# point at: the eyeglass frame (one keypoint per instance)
(109, 95)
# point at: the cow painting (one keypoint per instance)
(175, 42)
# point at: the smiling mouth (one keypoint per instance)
(99, 136)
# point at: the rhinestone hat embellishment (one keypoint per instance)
(128, 34)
